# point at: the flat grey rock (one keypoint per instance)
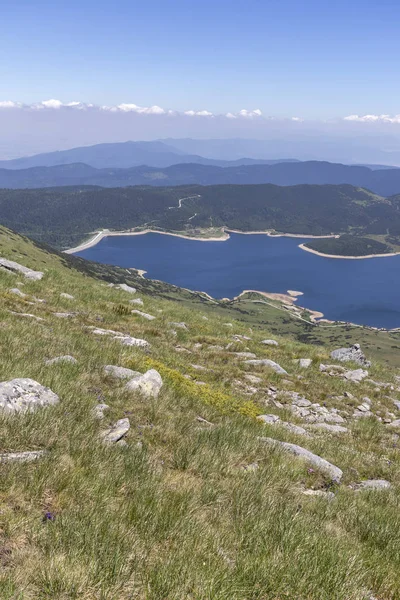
(266, 362)
(179, 325)
(269, 419)
(149, 384)
(120, 372)
(356, 376)
(98, 410)
(353, 354)
(143, 315)
(27, 316)
(66, 296)
(319, 494)
(17, 292)
(64, 315)
(126, 288)
(373, 484)
(60, 359)
(395, 423)
(270, 342)
(126, 340)
(333, 472)
(21, 395)
(116, 432)
(245, 354)
(15, 267)
(137, 301)
(305, 363)
(21, 456)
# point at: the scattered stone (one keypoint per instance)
(200, 383)
(238, 337)
(199, 368)
(251, 468)
(270, 342)
(267, 363)
(26, 316)
(137, 301)
(245, 354)
(148, 384)
(323, 465)
(228, 324)
(126, 288)
(182, 349)
(353, 354)
(60, 359)
(204, 318)
(269, 419)
(328, 427)
(98, 411)
(204, 421)
(127, 340)
(320, 493)
(64, 315)
(356, 376)
(349, 396)
(180, 325)
(20, 395)
(362, 414)
(15, 267)
(331, 369)
(253, 378)
(116, 432)
(372, 484)
(396, 404)
(275, 420)
(17, 292)
(21, 456)
(120, 372)
(67, 296)
(143, 314)
(395, 423)
(305, 363)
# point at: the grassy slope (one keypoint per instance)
(179, 519)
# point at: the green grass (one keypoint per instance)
(177, 517)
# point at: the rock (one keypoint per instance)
(120, 372)
(137, 301)
(269, 419)
(305, 363)
(143, 315)
(302, 402)
(353, 354)
(148, 384)
(331, 369)
(270, 342)
(67, 296)
(20, 395)
(356, 376)
(60, 359)
(17, 292)
(127, 340)
(116, 432)
(328, 427)
(349, 396)
(395, 423)
(204, 318)
(319, 493)
(265, 362)
(15, 267)
(64, 315)
(253, 378)
(251, 468)
(199, 367)
(98, 411)
(182, 349)
(26, 316)
(204, 421)
(373, 484)
(21, 456)
(294, 428)
(238, 337)
(333, 472)
(362, 414)
(245, 354)
(180, 325)
(126, 288)
(396, 404)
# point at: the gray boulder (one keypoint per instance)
(137, 301)
(333, 472)
(265, 362)
(353, 354)
(14, 267)
(305, 363)
(373, 484)
(98, 411)
(179, 325)
(17, 292)
(120, 372)
(143, 315)
(270, 342)
(328, 427)
(126, 288)
(356, 376)
(148, 384)
(245, 354)
(116, 432)
(20, 395)
(61, 359)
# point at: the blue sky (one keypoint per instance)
(313, 59)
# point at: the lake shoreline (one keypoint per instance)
(306, 249)
(100, 235)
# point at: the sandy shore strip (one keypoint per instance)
(271, 233)
(303, 247)
(287, 299)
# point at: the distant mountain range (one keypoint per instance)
(382, 181)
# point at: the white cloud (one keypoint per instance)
(141, 110)
(198, 113)
(297, 119)
(373, 118)
(10, 104)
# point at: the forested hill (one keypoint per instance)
(385, 182)
(64, 217)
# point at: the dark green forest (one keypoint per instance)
(349, 245)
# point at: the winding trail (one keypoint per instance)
(182, 199)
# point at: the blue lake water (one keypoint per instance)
(361, 291)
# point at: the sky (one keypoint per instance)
(304, 64)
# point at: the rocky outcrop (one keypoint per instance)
(126, 340)
(14, 267)
(21, 395)
(148, 384)
(352, 354)
(333, 472)
(266, 362)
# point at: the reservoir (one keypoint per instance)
(364, 291)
